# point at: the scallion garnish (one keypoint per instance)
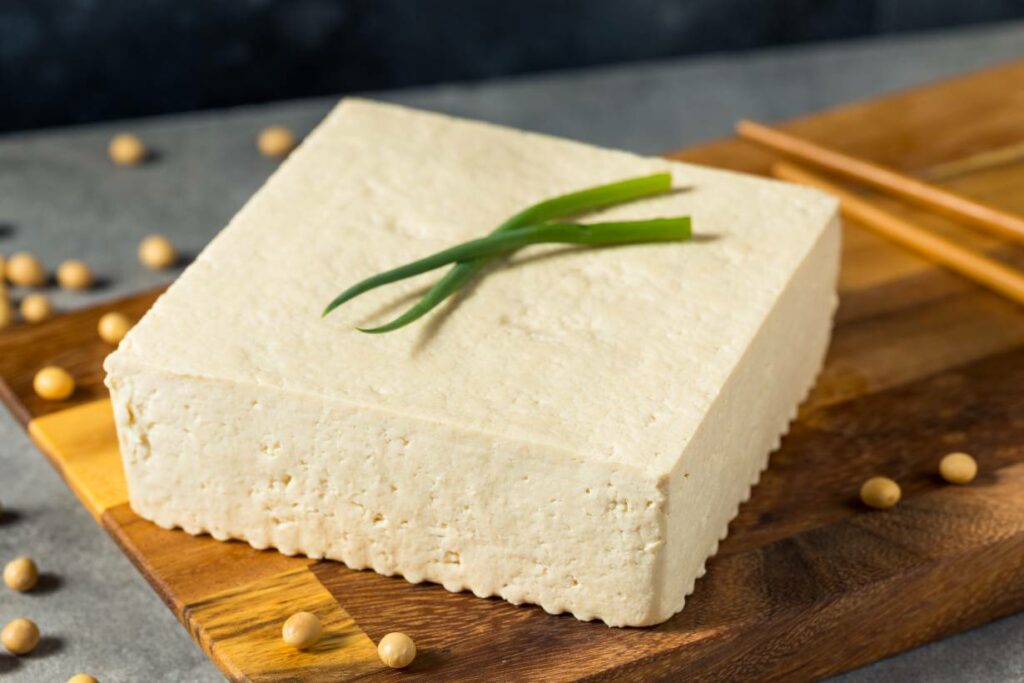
(495, 244)
(531, 226)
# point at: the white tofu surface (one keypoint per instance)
(576, 430)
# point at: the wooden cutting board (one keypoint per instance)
(808, 583)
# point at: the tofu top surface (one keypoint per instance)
(610, 354)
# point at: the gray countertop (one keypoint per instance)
(60, 198)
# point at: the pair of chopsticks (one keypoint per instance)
(977, 267)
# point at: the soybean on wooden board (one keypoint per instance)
(807, 584)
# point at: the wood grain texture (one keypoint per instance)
(808, 583)
(234, 599)
(241, 627)
(81, 442)
(70, 341)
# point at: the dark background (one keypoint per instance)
(73, 61)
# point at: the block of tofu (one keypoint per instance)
(575, 430)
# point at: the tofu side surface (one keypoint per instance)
(746, 423)
(576, 433)
(380, 491)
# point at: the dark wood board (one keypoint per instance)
(808, 583)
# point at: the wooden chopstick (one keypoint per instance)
(979, 268)
(888, 181)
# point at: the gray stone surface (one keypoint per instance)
(60, 198)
